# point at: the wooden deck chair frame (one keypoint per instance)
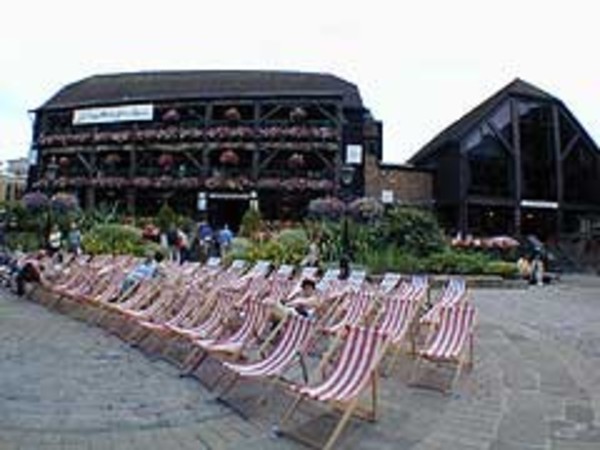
(452, 342)
(295, 335)
(357, 367)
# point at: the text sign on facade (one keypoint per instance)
(354, 154)
(543, 204)
(387, 196)
(113, 114)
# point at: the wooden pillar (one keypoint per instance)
(463, 189)
(341, 153)
(559, 171)
(518, 175)
(254, 173)
(90, 198)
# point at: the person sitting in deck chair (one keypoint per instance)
(148, 268)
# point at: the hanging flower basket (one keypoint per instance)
(296, 161)
(232, 114)
(171, 116)
(35, 201)
(229, 158)
(326, 207)
(112, 159)
(63, 162)
(165, 161)
(366, 209)
(64, 202)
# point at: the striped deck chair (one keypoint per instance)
(389, 282)
(356, 279)
(451, 342)
(306, 272)
(454, 292)
(355, 371)
(353, 311)
(397, 319)
(294, 338)
(254, 322)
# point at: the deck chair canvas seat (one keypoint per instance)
(294, 338)
(355, 371)
(451, 342)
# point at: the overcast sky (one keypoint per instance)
(419, 65)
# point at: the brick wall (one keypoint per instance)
(409, 185)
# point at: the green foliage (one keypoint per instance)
(166, 217)
(412, 230)
(252, 223)
(25, 240)
(287, 247)
(392, 259)
(459, 262)
(117, 239)
(504, 269)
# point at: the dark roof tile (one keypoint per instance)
(167, 85)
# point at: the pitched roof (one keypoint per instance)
(169, 85)
(458, 129)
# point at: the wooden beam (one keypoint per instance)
(267, 160)
(518, 168)
(501, 138)
(193, 160)
(558, 170)
(569, 147)
(86, 164)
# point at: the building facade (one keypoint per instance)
(13, 180)
(206, 142)
(519, 163)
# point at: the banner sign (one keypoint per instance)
(113, 114)
(539, 204)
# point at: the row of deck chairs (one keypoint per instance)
(199, 312)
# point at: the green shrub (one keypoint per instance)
(25, 240)
(166, 217)
(251, 223)
(114, 238)
(414, 231)
(504, 269)
(459, 262)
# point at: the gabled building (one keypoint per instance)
(518, 163)
(206, 142)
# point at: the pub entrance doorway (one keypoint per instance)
(227, 209)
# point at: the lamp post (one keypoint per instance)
(50, 175)
(346, 177)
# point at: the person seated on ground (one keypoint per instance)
(145, 270)
(524, 267)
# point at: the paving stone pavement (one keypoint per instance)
(65, 384)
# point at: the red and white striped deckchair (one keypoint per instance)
(355, 371)
(254, 322)
(354, 310)
(397, 319)
(454, 292)
(389, 282)
(294, 338)
(452, 341)
(306, 272)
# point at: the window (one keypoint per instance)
(538, 160)
(490, 164)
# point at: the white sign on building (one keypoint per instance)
(112, 114)
(354, 154)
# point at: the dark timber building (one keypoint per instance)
(208, 142)
(518, 163)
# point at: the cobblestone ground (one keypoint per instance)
(536, 385)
